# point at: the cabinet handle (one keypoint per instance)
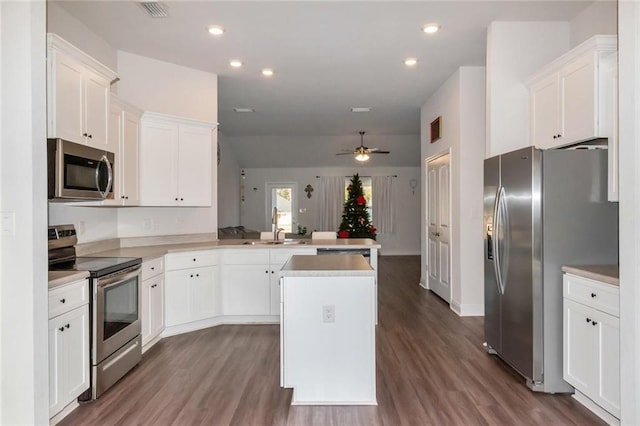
(68, 325)
(122, 197)
(593, 295)
(194, 259)
(85, 134)
(153, 268)
(266, 272)
(127, 197)
(594, 322)
(272, 272)
(63, 300)
(555, 137)
(176, 198)
(197, 275)
(181, 199)
(61, 329)
(191, 275)
(90, 136)
(588, 319)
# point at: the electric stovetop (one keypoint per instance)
(98, 266)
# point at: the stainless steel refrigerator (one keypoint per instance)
(542, 210)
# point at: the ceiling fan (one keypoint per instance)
(362, 152)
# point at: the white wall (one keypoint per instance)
(600, 17)
(60, 22)
(460, 101)
(516, 51)
(92, 223)
(405, 238)
(228, 185)
(24, 390)
(629, 208)
(170, 89)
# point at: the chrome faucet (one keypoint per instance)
(274, 224)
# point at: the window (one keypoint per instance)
(367, 191)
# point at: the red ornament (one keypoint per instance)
(343, 234)
(361, 200)
(373, 229)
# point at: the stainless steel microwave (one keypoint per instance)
(78, 172)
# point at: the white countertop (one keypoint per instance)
(155, 251)
(605, 273)
(323, 266)
(59, 278)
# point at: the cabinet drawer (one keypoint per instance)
(246, 256)
(153, 267)
(194, 259)
(68, 297)
(281, 256)
(600, 296)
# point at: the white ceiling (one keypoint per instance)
(328, 57)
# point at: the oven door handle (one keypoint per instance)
(118, 277)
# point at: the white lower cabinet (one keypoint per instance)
(68, 349)
(152, 300)
(592, 341)
(191, 293)
(251, 279)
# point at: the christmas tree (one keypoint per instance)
(355, 216)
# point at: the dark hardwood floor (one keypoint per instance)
(431, 370)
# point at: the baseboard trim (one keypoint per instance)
(423, 283)
(468, 310)
(596, 409)
(399, 253)
(220, 320)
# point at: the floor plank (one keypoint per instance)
(431, 370)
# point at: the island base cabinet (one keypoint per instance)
(68, 357)
(328, 340)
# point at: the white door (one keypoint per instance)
(194, 166)
(545, 113)
(283, 196)
(158, 164)
(607, 330)
(579, 348)
(438, 227)
(67, 112)
(578, 94)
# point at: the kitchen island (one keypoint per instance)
(327, 330)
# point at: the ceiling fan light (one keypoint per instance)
(362, 156)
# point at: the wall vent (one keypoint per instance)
(154, 9)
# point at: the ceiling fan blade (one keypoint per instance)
(380, 152)
(345, 153)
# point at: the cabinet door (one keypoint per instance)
(158, 164)
(115, 135)
(56, 352)
(194, 166)
(129, 158)
(579, 351)
(66, 103)
(246, 290)
(607, 336)
(68, 357)
(96, 111)
(545, 113)
(578, 88)
(177, 298)
(152, 308)
(76, 341)
(202, 293)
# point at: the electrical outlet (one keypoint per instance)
(8, 223)
(328, 313)
(81, 227)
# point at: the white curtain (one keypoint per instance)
(330, 203)
(382, 203)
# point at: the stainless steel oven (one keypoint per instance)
(116, 327)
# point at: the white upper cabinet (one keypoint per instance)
(176, 164)
(568, 97)
(124, 132)
(77, 95)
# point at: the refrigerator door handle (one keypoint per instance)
(499, 212)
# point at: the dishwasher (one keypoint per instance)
(330, 251)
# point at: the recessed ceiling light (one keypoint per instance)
(216, 30)
(431, 28)
(411, 62)
(268, 72)
(244, 109)
(360, 109)
(236, 63)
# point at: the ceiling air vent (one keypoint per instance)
(154, 9)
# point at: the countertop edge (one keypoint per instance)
(62, 278)
(608, 274)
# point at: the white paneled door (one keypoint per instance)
(438, 227)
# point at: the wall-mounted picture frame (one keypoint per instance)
(436, 129)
